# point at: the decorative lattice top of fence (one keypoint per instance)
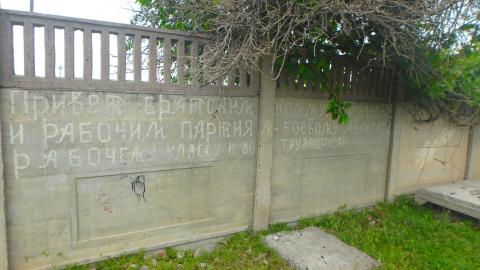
(356, 80)
(54, 52)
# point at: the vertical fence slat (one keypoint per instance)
(380, 88)
(219, 81)
(316, 87)
(388, 81)
(6, 51)
(364, 81)
(391, 84)
(243, 76)
(87, 54)
(334, 73)
(181, 61)
(105, 56)
(213, 79)
(167, 60)
(49, 52)
(346, 77)
(152, 59)
(231, 78)
(121, 57)
(372, 84)
(194, 62)
(355, 80)
(291, 83)
(206, 48)
(302, 86)
(283, 80)
(255, 78)
(309, 86)
(29, 51)
(341, 75)
(137, 57)
(69, 52)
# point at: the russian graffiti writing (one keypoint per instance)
(51, 132)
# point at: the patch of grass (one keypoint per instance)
(401, 235)
(404, 235)
(243, 250)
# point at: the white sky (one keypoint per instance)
(105, 10)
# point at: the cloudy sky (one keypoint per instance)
(105, 10)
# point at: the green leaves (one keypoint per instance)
(453, 75)
(451, 80)
(144, 2)
(337, 107)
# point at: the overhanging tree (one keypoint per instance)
(433, 44)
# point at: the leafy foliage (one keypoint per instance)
(453, 80)
(337, 107)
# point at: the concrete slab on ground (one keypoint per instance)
(312, 249)
(461, 196)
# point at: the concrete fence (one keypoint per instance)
(109, 145)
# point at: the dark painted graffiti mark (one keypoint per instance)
(138, 187)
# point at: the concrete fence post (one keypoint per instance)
(263, 176)
(473, 154)
(394, 152)
(5, 69)
(3, 221)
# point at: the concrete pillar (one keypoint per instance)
(473, 154)
(394, 152)
(5, 69)
(3, 221)
(263, 176)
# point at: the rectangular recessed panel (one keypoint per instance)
(114, 205)
(331, 175)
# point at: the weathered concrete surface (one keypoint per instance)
(425, 153)
(202, 246)
(473, 166)
(5, 69)
(3, 220)
(71, 159)
(463, 196)
(263, 176)
(319, 165)
(313, 249)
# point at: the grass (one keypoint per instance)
(401, 235)
(404, 235)
(243, 250)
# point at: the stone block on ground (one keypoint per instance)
(314, 249)
(461, 196)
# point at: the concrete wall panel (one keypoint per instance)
(320, 165)
(90, 175)
(96, 174)
(425, 153)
